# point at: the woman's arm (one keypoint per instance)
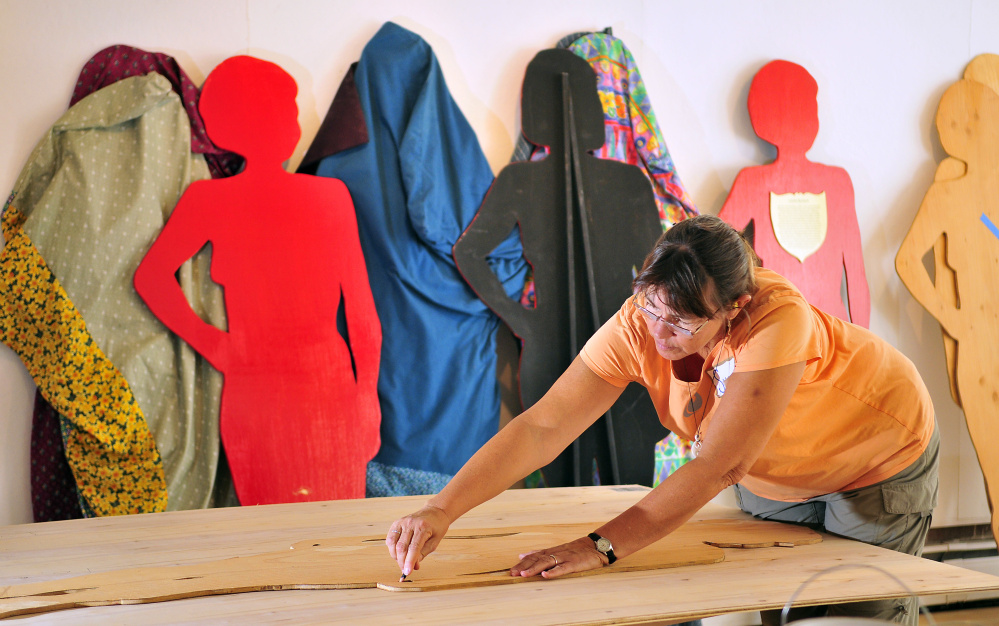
(530, 441)
(753, 405)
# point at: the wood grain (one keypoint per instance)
(746, 580)
(957, 220)
(944, 278)
(466, 558)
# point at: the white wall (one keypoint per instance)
(881, 66)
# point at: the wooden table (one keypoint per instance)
(747, 580)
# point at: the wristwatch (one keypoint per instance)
(604, 547)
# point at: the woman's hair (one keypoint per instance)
(691, 254)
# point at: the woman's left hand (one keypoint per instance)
(576, 556)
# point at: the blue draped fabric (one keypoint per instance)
(416, 184)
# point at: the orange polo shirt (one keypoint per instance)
(860, 414)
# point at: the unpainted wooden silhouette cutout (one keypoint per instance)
(958, 219)
(581, 279)
(297, 423)
(465, 558)
(802, 213)
(984, 69)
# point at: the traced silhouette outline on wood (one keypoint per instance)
(957, 220)
(580, 281)
(801, 214)
(297, 423)
(465, 558)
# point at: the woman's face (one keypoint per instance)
(666, 328)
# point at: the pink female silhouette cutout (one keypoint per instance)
(805, 220)
(297, 424)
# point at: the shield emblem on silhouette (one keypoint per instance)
(800, 222)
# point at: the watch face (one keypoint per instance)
(603, 545)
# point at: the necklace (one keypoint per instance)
(685, 371)
(691, 410)
(695, 401)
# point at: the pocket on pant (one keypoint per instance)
(909, 498)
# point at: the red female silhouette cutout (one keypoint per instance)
(805, 222)
(297, 423)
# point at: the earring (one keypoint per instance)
(728, 333)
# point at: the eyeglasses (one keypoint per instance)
(686, 332)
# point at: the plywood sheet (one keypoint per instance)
(751, 579)
(466, 558)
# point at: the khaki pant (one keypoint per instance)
(893, 514)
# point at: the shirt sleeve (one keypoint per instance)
(780, 333)
(612, 353)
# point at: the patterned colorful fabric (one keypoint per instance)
(632, 135)
(106, 68)
(671, 453)
(631, 129)
(630, 125)
(95, 193)
(109, 446)
(117, 62)
(390, 479)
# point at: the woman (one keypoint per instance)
(814, 420)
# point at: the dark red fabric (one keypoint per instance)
(53, 488)
(343, 127)
(117, 62)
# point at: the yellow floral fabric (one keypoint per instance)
(108, 444)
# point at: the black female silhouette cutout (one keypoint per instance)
(586, 225)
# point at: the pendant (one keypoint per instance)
(696, 448)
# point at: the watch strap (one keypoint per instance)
(609, 552)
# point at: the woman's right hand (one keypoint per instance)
(413, 537)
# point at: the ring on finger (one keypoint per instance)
(555, 559)
(398, 532)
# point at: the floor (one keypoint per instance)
(981, 616)
(987, 616)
